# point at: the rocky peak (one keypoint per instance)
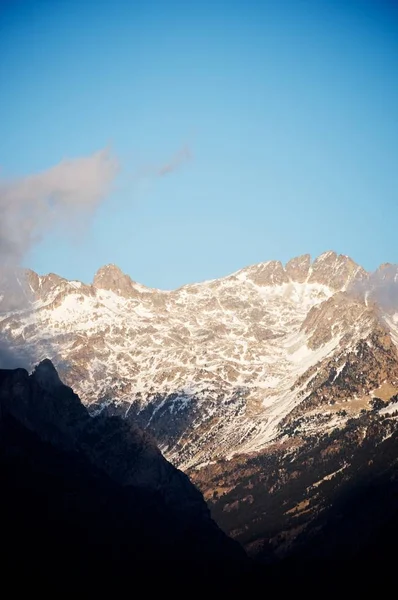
(33, 280)
(111, 278)
(43, 403)
(336, 271)
(298, 268)
(269, 273)
(47, 287)
(380, 287)
(386, 273)
(46, 376)
(50, 281)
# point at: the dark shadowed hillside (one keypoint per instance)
(83, 496)
(92, 498)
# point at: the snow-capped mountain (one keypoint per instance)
(218, 368)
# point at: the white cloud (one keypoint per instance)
(33, 205)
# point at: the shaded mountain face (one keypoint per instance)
(81, 492)
(253, 366)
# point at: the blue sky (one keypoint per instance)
(278, 122)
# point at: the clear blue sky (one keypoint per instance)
(289, 110)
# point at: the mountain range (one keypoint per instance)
(274, 388)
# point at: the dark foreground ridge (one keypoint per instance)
(93, 497)
(92, 500)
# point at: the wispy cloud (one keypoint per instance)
(182, 156)
(148, 170)
(33, 205)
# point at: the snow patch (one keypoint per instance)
(390, 409)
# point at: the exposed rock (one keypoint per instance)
(270, 273)
(335, 271)
(298, 268)
(112, 278)
(337, 316)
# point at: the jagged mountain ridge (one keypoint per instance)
(50, 409)
(222, 367)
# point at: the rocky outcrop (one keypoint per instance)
(270, 273)
(337, 317)
(298, 268)
(379, 287)
(42, 404)
(110, 277)
(335, 271)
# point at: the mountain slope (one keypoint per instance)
(328, 499)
